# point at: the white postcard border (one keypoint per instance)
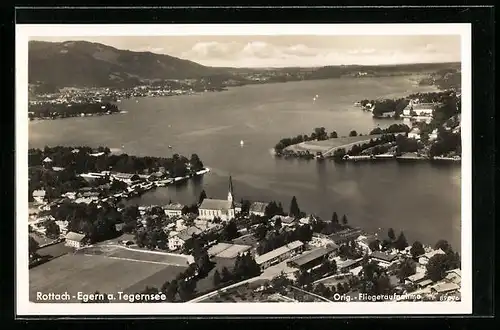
(25, 308)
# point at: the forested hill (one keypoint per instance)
(86, 64)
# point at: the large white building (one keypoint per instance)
(75, 240)
(223, 209)
(415, 108)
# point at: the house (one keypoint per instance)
(286, 221)
(348, 265)
(416, 278)
(415, 108)
(39, 195)
(237, 207)
(218, 208)
(445, 287)
(313, 258)
(258, 208)
(383, 259)
(173, 209)
(319, 240)
(453, 276)
(434, 135)
(47, 160)
(280, 254)
(346, 235)
(424, 258)
(177, 241)
(75, 240)
(119, 226)
(128, 178)
(414, 133)
(364, 242)
(248, 239)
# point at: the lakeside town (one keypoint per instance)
(220, 250)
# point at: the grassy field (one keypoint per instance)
(75, 273)
(325, 145)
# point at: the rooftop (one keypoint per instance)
(445, 287)
(307, 257)
(277, 252)
(215, 204)
(72, 236)
(383, 256)
(174, 207)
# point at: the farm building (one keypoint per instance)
(280, 254)
(75, 240)
(313, 258)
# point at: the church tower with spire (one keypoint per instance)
(230, 194)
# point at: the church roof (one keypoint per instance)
(215, 204)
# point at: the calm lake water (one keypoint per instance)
(421, 199)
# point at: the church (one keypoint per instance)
(223, 209)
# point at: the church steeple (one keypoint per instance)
(230, 196)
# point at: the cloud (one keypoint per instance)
(262, 54)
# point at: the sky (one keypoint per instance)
(290, 51)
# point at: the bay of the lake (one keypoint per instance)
(419, 198)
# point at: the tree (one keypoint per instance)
(437, 267)
(443, 245)
(196, 163)
(277, 224)
(32, 246)
(401, 243)
(333, 135)
(335, 218)
(344, 220)
(417, 249)
(407, 268)
(391, 234)
(52, 229)
(230, 231)
(217, 278)
(374, 245)
(203, 195)
(294, 207)
(353, 133)
(225, 275)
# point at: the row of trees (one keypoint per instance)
(392, 129)
(446, 142)
(54, 110)
(359, 148)
(244, 267)
(274, 239)
(389, 105)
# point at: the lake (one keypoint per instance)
(421, 199)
